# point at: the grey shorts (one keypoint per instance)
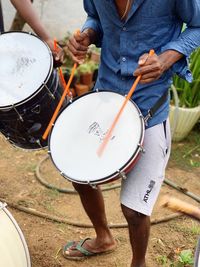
(140, 190)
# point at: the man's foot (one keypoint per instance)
(87, 248)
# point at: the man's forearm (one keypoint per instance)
(25, 9)
(170, 57)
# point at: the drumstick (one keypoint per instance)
(59, 69)
(62, 78)
(181, 206)
(65, 92)
(108, 135)
(55, 45)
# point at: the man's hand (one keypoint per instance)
(58, 53)
(78, 46)
(152, 67)
(79, 42)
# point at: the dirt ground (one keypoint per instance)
(18, 184)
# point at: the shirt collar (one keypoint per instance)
(134, 8)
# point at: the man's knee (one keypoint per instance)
(82, 188)
(133, 216)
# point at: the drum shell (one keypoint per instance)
(35, 112)
(13, 247)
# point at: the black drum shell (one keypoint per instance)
(25, 124)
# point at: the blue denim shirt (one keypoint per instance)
(151, 24)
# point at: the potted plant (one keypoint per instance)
(95, 54)
(186, 111)
(85, 71)
(86, 77)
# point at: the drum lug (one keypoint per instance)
(19, 115)
(50, 93)
(122, 175)
(141, 148)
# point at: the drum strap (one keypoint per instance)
(157, 105)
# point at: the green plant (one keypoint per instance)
(162, 260)
(186, 258)
(189, 93)
(87, 67)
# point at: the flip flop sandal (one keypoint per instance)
(85, 253)
(79, 247)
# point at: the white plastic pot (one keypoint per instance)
(182, 120)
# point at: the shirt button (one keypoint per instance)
(124, 28)
(123, 59)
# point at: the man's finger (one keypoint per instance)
(143, 59)
(146, 69)
(76, 45)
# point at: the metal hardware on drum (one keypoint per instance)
(141, 148)
(20, 117)
(49, 92)
(122, 175)
(36, 109)
(148, 116)
(39, 143)
(94, 186)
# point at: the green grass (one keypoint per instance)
(186, 154)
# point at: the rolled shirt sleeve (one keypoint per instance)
(93, 21)
(189, 39)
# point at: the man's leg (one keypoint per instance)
(141, 188)
(139, 228)
(92, 201)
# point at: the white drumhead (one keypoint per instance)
(24, 66)
(80, 129)
(14, 252)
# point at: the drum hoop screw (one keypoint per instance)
(141, 148)
(122, 175)
(94, 186)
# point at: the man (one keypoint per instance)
(126, 30)
(24, 7)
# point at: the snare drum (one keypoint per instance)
(81, 127)
(13, 247)
(29, 89)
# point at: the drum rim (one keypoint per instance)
(8, 107)
(21, 235)
(125, 166)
